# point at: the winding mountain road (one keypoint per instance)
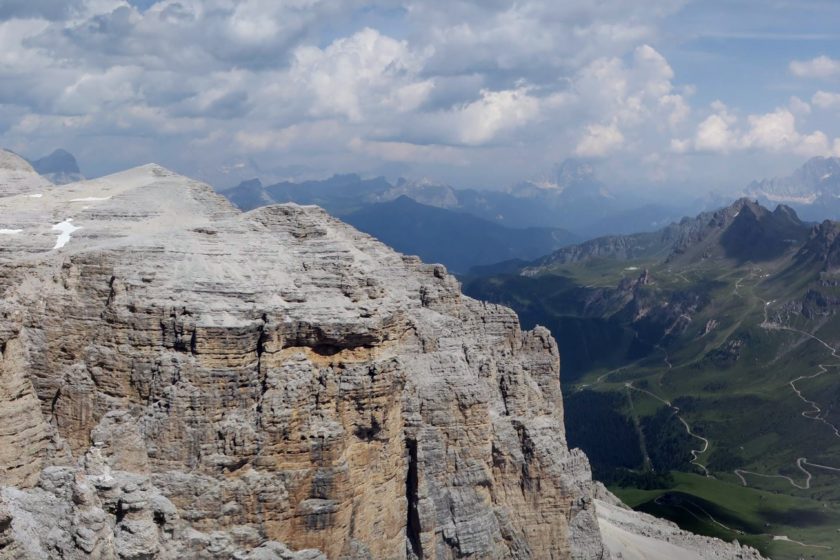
(695, 453)
(813, 413)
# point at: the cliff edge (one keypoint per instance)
(182, 380)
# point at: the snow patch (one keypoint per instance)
(10, 231)
(632, 268)
(91, 199)
(804, 199)
(64, 228)
(38, 195)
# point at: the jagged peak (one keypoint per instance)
(822, 160)
(822, 246)
(574, 170)
(746, 202)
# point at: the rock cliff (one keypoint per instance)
(182, 380)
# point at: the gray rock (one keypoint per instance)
(182, 380)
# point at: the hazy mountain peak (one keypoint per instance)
(421, 182)
(253, 182)
(58, 161)
(60, 167)
(815, 183)
(572, 171)
(345, 177)
(819, 166)
(426, 191)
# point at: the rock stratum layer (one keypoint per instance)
(182, 380)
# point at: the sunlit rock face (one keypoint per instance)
(182, 380)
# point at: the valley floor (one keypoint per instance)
(740, 403)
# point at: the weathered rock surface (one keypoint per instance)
(182, 380)
(17, 176)
(631, 535)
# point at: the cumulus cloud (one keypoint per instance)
(599, 140)
(636, 100)
(480, 121)
(715, 134)
(798, 106)
(775, 132)
(820, 67)
(525, 39)
(826, 100)
(359, 74)
(473, 86)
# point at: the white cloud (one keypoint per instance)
(826, 100)
(820, 67)
(410, 153)
(90, 93)
(364, 71)
(495, 112)
(339, 85)
(773, 132)
(634, 105)
(777, 132)
(798, 106)
(599, 140)
(533, 38)
(312, 134)
(714, 134)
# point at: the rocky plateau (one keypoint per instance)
(179, 379)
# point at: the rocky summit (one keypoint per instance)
(179, 379)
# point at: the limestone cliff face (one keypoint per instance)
(182, 380)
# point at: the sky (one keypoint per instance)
(663, 96)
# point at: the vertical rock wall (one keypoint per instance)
(182, 380)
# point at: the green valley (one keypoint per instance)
(700, 372)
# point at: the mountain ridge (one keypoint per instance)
(813, 189)
(573, 199)
(744, 230)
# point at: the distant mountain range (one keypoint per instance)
(458, 240)
(813, 189)
(573, 200)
